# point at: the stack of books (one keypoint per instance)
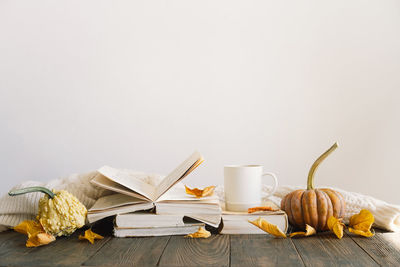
(142, 209)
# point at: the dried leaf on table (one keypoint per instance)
(361, 223)
(201, 233)
(265, 208)
(268, 227)
(29, 227)
(40, 239)
(336, 226)
(37, 236)
(362, 233)
(90, 236)
(309, 231)
(198, 193)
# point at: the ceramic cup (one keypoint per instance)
(243, 184)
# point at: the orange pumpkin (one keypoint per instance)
(313, 206)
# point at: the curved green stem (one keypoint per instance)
(310, 180)
(32, 189)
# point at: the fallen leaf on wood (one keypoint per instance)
(90, 236)
(29, 227)
(362, 233)
(198, 193)
(268, 227)
(37, 236)
(265, 208)
(201, 233)
(361, 223)
(40, 239)
(336, 226)
(309, 231)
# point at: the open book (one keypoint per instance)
(136, 194)
(124, 183)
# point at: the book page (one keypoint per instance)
(179, 193)
(195, 202)
(113, 201)
(128, 180)
(106, 183)
(179, 173)
(183, 207)
(96, 215)
(210, 219)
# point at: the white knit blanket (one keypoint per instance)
(13, 210)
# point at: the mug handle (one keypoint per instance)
(275, 183)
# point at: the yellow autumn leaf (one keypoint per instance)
(40, 239)
(268, 227)
(90, 236)
(336, 226)
(198, 193)
(29, 227)
(265, 208)
(362, 233)
(309, 231)
(361, 223)
(201, 233)
(37, 236)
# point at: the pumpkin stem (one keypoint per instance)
(310, 180)
(32, 189)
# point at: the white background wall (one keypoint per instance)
(141, 84)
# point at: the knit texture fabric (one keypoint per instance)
(15, 209)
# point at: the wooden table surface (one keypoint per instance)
(219, 250)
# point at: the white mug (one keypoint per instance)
(242, 186)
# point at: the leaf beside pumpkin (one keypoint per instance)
(37, 236)
(268, 227)
(29, 227)
(336, 226)
(362, 233)
(201, 233)
(361, 223)
(90, 236)
(198, 193)
(39, 239)
(309, 231)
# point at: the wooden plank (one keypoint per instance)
(218, 250)
(263, 250)
(140, 251)
(384, 248)
(181, 251)
(12, 246)
(65, 251)
(7, 235)
(325, 249)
